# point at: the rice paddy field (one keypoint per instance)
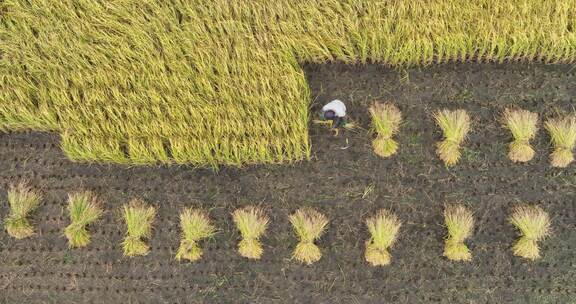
(172, 155)
(345, 180)
(213, 83)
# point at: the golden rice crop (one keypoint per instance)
(309, 226)
(383, 228)
(455, 126)
(534, 225)
(84, 210)
(220, 82)
(138, 219)
(523, 126)
(459, 223)
(22, 200)
(386, 119)
(252, 223)
(563, 134)
(195, 226)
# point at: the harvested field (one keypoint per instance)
(345, 181)
(212, 83)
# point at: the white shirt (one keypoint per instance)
(337, 106)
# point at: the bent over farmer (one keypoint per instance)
(334, 111)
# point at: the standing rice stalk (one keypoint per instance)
(460, 223)
(220, 82)
(195, 226)
(309, 225)
(22, 200)
(523, 126)
(139, 219)
(252, 223)
(383, 228)
(534, 225)
(386, 119)
(455, 126)
(563, 134)
(84, 210)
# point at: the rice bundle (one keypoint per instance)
(252, 223)
(195, 226)
(139, 219)
(534, 225)
(383, 228)
(563, 134)
(309, 226)
(460, 223)
(386, 119)
(523, 126)
(455, 126)
(22, 200)
(84, 210)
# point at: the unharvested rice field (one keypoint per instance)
(345, 181)
(220, 82)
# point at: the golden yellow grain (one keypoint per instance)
(220, 82)
(252, 223)
(459, 223)
(22, 201)
(383, 228)
(84, 210)
(455, 126)
(563, 134)
(523, 126)
(386, 119)
(534, 225)
(195, 225)
(309, 226)
(139, 219)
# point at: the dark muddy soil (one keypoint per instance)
(345, 180)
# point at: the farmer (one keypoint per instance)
(334, 111)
